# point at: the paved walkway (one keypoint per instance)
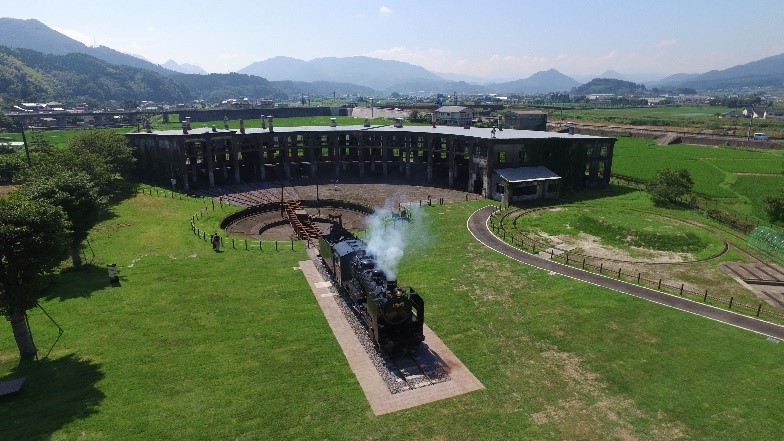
(477, 225)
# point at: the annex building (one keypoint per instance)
(504, 164)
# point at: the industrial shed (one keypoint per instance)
(520, 184)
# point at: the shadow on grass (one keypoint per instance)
(75, 283)
(576, 196)
(56, 392)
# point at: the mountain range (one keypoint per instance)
(365, 76)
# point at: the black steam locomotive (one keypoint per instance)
(394, 315)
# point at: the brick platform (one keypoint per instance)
(378, 395)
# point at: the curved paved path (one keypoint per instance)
(477, 225)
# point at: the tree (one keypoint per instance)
(77, 195)
(12, 167)
(669, 185)
(103, 155)
(33, 241)
(5, 121)
(774, 206)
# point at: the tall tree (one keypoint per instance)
(77, 195)
(669, 185)
(103, 155)
(33, 241)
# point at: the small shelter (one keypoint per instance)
(525, 183)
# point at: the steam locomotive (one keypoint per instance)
(394, 315)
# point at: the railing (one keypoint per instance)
(596, 265)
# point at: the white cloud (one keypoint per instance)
(666, 44)
(76, 35)
(384, 10)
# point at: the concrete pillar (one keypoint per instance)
(336, 156)
(210, 159)
(283, 145)
(361, 155)
(195, 164)
(430, 163)
(182, 166)
(401, 149)
(408, 159)
(235, 161)
(262, 169)
(384, 153)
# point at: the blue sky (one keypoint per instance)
(484, 38)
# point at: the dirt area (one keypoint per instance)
(268, 226)
(387, 195)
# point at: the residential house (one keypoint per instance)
(454, 116)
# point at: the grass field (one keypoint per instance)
(232, 345)
(685, 118)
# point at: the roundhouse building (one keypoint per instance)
(507, 165)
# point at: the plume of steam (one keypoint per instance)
(387, 241)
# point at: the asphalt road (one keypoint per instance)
(477, 225)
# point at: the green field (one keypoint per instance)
(685, 118)
(202, 345)
(739, 178)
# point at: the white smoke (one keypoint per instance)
(388, 239)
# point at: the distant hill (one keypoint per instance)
(32, 34)
(767, 72)
(31, 76)
(671, 80)
(218, 87)
(430, 86)
(322, 88)
(365, 71)
(471, 78)
(540, 82)
(608, 85)
(184, 68)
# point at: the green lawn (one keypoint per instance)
(202, 345)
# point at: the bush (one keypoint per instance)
(774, 206)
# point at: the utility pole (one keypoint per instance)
(24, 141)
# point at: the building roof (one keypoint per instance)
(451, 109)
(529, 112)
(473, 132)
(526, 174)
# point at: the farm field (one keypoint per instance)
(685, 118)
(232, 345)
(737, 178)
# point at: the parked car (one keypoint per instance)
(759, 136)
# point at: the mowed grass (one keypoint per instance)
(202, 345)
(622, 222)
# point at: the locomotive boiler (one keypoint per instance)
(394, 315)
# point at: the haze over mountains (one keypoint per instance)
(366, 76)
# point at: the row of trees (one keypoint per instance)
(62, 194)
